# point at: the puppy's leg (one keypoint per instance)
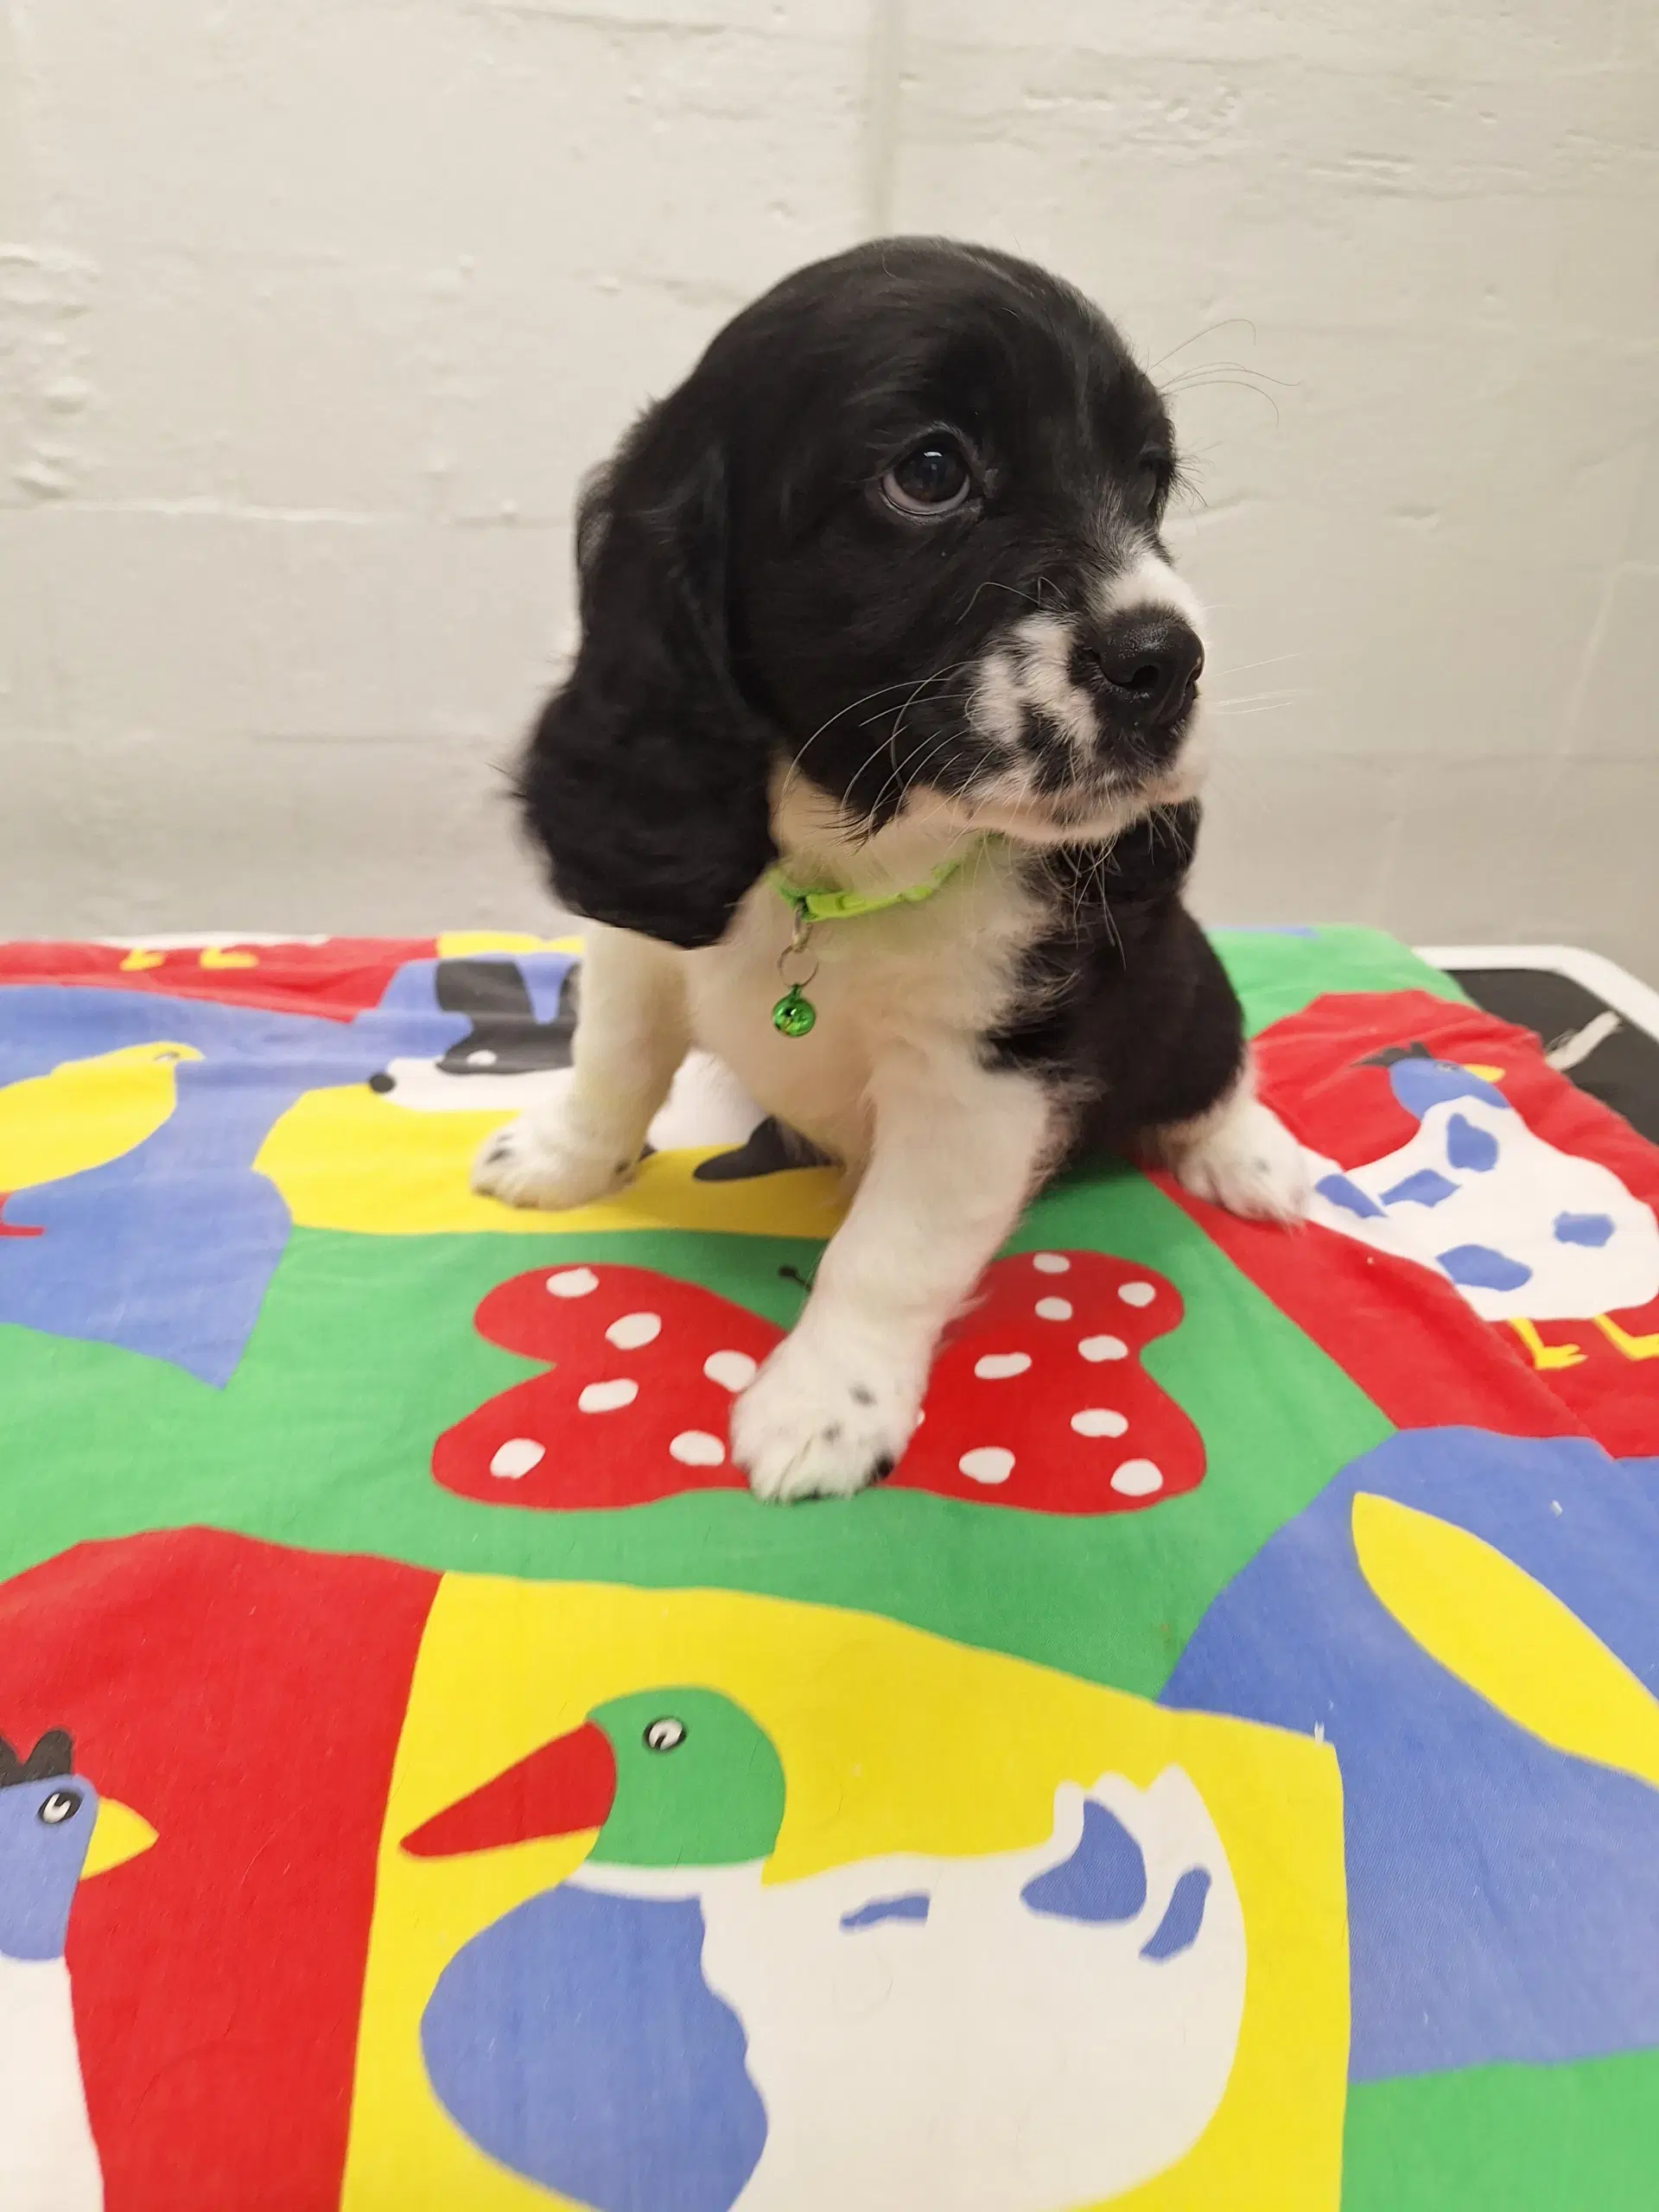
(631, 1034)
(957, 1148)
(1239, 1155)
(1200, 1116)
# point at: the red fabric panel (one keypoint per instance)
(247, 1702)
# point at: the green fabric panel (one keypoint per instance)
(1278, 972)
(1507, 2138)
(322, 1439)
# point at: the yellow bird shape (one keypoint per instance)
(83, 1114)
(1506, 1637)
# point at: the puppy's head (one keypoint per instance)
(899, 531)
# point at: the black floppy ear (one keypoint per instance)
(647, 777)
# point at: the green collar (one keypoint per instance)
(848, 906)
(794, 1015)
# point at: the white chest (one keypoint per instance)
(931, 977)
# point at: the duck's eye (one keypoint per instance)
(62, 1805)
(932, 479)
(666, 1735)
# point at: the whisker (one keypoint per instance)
(1249, 667)
(1209, 331)
(908, 773)
(900, 684)
(1200, 382)
(990, 583)
(899, 711)
(913, 770)
(1238, 368)
(1261, 698)
(891, 743)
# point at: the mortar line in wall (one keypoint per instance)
(883, 81)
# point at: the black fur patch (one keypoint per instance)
(1126, 1005)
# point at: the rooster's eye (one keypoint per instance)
(62, 1805)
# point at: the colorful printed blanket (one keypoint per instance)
(1220, 1769)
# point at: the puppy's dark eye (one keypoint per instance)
(932, 479)
(1157, 474)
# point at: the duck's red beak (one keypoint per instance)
(566, 1786)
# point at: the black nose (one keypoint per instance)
(1146, 662)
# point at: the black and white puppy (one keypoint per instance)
(878, 589)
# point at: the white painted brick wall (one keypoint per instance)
(311, 317)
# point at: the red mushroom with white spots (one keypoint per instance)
(1038, 1396)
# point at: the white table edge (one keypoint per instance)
(1626, 994)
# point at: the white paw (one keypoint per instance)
(814, 1424)
(1249, 1163)
(528, 1164)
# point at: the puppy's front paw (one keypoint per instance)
(529, 1164)
(1248, 1162)
(812, 1425)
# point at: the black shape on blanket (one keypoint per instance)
(52, 1756)
(1620, 1067)
(768, 1150)
(503, 1036)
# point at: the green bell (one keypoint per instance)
(794, 1013)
